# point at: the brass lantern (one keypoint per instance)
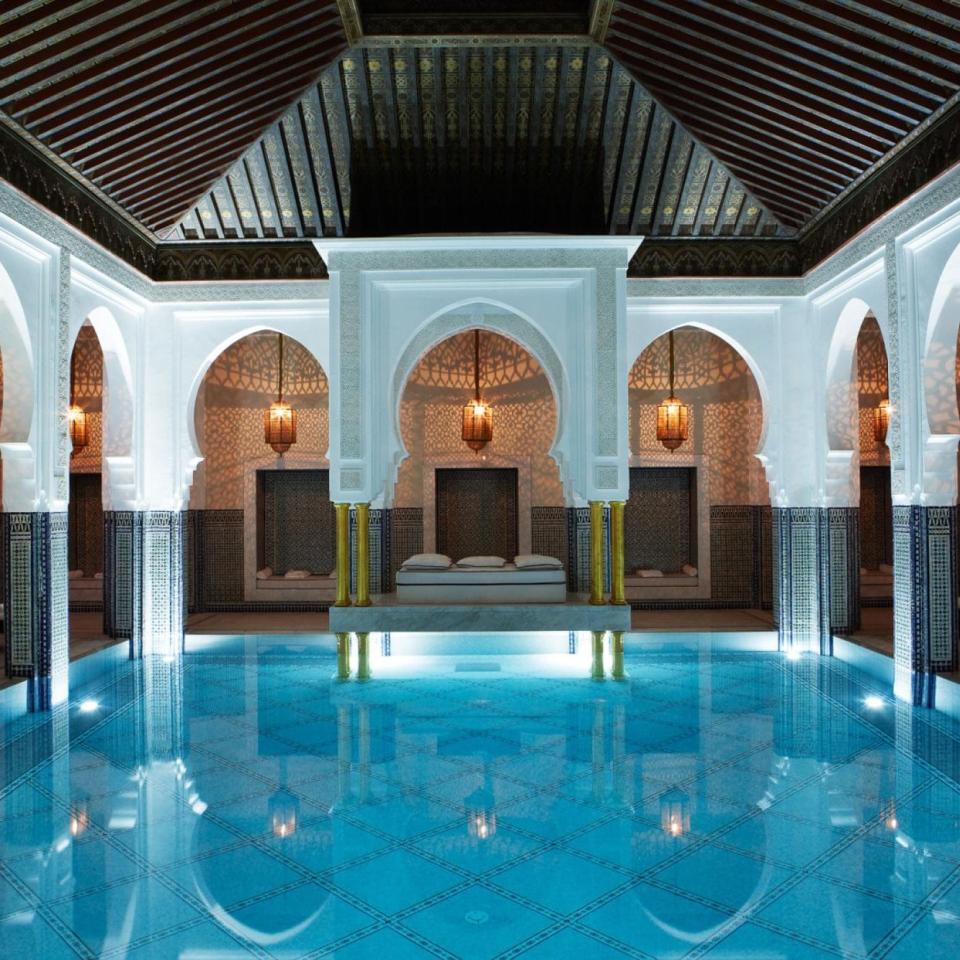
(881, 420)
(280, 419)
(477, 429)
(673, 417)
(76, 415)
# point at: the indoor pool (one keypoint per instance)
(485, 797)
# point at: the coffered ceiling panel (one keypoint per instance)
(151, 100)
(798, 98)
(412, 139)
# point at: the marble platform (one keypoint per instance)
(478, 618)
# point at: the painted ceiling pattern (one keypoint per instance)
(452, 139)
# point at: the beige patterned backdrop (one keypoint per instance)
(88, 393)
(238, 387)
(726, 416)
(524, 417)
(871, 389)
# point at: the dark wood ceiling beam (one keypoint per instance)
(796, 92)
(736, 102)
(246, 72)
(811, 38)
(205, 49)
(937, 21)
(141, 142)
(903, 48)
(59, 61)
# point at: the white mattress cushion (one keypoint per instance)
(490, 563)
(265, 573)
(460, 576)
(427, 561)
(535, 561)
(649, 573)
(297, 574)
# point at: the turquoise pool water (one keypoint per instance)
(480, 798)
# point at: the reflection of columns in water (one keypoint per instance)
(343, 753)
(343, 656)
(618, 672)
(161, 707)
(619, 752)
(363, 753)
(597, 757)
(596, 665)
(363, 656)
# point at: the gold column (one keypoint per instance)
(363, 554)
(596, 664)
(363, 656)
(342, 511)
(343, 656)
(618, 673)
(616, 553)
(596, 552)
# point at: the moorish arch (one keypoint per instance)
(525, 417)
(508, 325)
(17, 403)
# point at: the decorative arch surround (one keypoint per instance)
(16, 406)
(485, 315)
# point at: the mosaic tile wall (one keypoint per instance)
(121, 574)
(844, 572)
(160, 624)
(85, 513)
(578, 549)
(659, 521)
(296, 520)
(548, 531)
(477, 512)
(35, 603)
(803, 600)
(220, 556)
(925, 615)
(876, 517)
(406, 536)
(378, 551)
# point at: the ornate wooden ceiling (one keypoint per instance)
(464, 139)
(151, 100)
(798, 98)
(771, 132)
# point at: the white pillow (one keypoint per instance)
(297, 574)
(481, 562)
(265, 574)
(429, 561)
(536, 561)
(689, 569)
(649, 573)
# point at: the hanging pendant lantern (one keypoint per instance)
(76, 415)
(477, 429)
(881, 420)
(673, 417)
(280, 419)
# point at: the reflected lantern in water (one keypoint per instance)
(280, 419)
(675, 813)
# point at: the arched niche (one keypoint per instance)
(235, 463)
(17, 403)
(495, 318)
(525, 417)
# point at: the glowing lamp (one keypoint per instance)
(481, 813)
(284, 810)
(881, 420)
(673, 417)
(477, 428)
(76, 415)
(280, 419)
(675, 813)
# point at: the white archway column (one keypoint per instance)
(36, 491)
(926, 625)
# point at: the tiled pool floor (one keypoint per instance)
(718, 803)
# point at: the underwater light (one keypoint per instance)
(89, 706)
(873, 702)
(792, 654)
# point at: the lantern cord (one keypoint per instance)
(476, 365)
(280, 378)
(671, 363)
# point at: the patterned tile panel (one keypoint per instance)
(477, 512)
(297, 520)
(659, 519)
(406, 535)
(548, 531)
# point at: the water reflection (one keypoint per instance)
(232, 800)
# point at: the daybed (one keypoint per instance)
(322, 587)
(459, 583)
(876, 584)
(659, 585)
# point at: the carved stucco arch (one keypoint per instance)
(196, 382)
(498, 318)
(732, 342)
